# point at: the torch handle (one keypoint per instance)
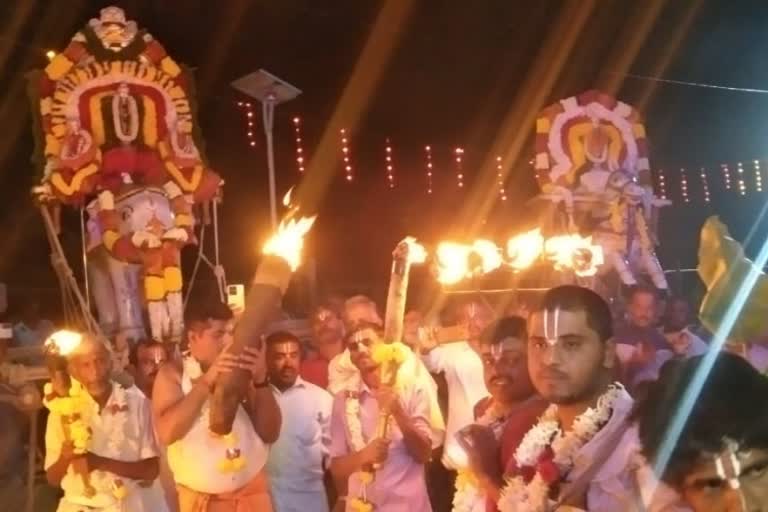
(262, 306)
(397, 294)
(382, 429)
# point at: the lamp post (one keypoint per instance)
(270, 91)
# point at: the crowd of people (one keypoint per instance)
(557, 407)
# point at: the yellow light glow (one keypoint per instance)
(50, 54)
(452, 262)
(490, 256)
(288, 242)
(287, 197)
(416, 252)
(574, 252)
(64, 342)
(524, 249)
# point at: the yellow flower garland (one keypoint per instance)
(390, 353)
(73, 409)
(233, 460)
(361, 505)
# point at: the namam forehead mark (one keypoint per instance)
(727, 463)
(551, 326)
(507, 344)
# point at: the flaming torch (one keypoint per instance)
(281, 256)
(523, 250)
(456, 261)
(65, 397)
(57, 347)
(574, 252)
(287, 243)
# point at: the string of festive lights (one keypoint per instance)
(736, 180)
(428, 150)
(662, 184)
(346, 155)
(390, 165)
(299, 147)
(684, 186)
(742, 184)
(459, 167)
(704, 184)
(247, 107)
(726, 176)
(500, 176)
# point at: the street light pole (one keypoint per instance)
(268, 116)
(270, 91)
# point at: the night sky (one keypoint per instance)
(457, 70)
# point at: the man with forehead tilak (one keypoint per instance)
(719, 463)
(502, 419)
(581, 454)
(380, 433)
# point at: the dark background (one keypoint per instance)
(455, 73)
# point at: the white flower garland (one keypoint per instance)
(468, 493)
(357, 442)
(354, 423)
(519, 496)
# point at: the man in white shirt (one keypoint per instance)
(298, 459)
(212, 473)
(463, 372)
(122, 455)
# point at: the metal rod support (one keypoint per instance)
(268, 114)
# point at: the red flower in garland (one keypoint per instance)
(546, 466)
(527, 472)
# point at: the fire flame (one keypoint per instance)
(456, 261)
(416, 252)
(288, 241)
(63, 342)
(524, 249)
(287, 198)
(490, 256)
(453, 260)
(575, 253)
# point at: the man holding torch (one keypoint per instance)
(384, 467)
(100, 447)
(215, 472)
(217, 405)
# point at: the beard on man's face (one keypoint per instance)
(561, 387)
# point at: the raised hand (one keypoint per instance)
(427, 338)
(253, 360)
(375, 452)
(482, 448)
(389, 403)
(224, 363)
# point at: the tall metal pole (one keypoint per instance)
(268, 114)
(31, 461)
(84, 248)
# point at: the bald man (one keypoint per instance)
(122, 452)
